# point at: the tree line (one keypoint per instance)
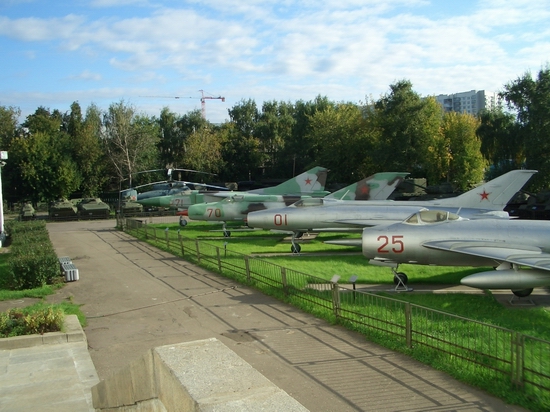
(55, 155)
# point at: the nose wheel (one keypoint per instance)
(226, 233)
(295, 248)
(400, 281)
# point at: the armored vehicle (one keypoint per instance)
(63, 209)
(93, 208)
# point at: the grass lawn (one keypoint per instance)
(325, 261)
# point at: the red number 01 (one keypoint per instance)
(280, 220)
(396, 245)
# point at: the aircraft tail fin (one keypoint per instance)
(311, 182)
(376, 187)
(493, 195)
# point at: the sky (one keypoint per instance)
(148, 52)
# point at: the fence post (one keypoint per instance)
(408, 325)
(167, 239)
(517, 360)
(181, 245)
(219, 260)
(155, 233)
(247, 268)
(198, 251)
(283, 280)
(146, 237)
(336, 299)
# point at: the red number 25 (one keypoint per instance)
(396, 244)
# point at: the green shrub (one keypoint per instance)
(32, 262)
(17, 322)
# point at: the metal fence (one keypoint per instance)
(485, 350)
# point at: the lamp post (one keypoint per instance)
(3, 157)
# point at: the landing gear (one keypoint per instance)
(399, 278)
(183, 222)
(400, 281)
(296, 248)
(226, 233)
(523, 293)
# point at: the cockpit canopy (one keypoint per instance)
(428, 217)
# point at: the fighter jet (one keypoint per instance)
(318, 215)
(444, 239)
(237, 206)
(311, 182)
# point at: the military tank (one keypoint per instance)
(63, 209)
(27, 212)
(131, 208)
(93, 208)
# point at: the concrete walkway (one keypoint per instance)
(137, 297)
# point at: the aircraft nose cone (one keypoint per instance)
(258, 219)
(196, 211)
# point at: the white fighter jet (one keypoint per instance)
(322, 215)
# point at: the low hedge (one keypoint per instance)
(32, 261)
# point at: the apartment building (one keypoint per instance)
(471, 102)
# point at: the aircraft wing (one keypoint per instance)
(521, 255)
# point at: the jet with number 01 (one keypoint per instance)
(237, 207)
(319, 215)
(519, 250)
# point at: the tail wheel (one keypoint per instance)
(400, 277)
(522, 293)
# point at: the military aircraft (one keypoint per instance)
(237, 206)
(317, 215)
(432, 237)
(311, 182)
(172, 187)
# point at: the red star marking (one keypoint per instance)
(484, 195)
(308, 181)
(365, 189)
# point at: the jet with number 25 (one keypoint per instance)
(519, 250)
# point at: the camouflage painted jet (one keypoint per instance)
(238, 206)
(311, 183)
(433, 237)
(315, 215)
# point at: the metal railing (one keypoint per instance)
(486, 350)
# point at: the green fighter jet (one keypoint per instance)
(237, 206)
(310, 183)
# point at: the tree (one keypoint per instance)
(241, 147)
(342, 143)
(130, 140)
(406, 126)
(86, 150)
(203, 151)
(273, 129)
(466, 163)
(9, 117)
(41, 166)
(501, 142)
(530, 99)
(45, 169)
(299, 152)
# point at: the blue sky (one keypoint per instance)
(146, 52)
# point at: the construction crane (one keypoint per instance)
(203, 100)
